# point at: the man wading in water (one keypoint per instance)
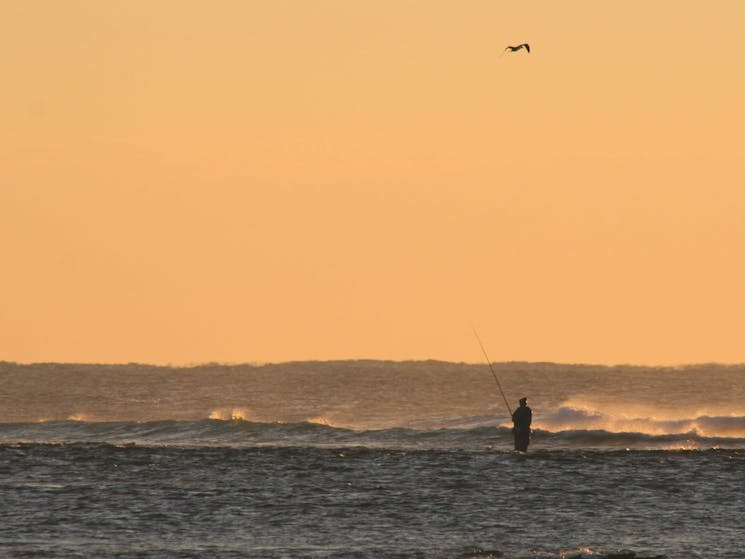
(521, 420)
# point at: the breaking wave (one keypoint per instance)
(568, 418)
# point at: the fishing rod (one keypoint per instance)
(509, 411)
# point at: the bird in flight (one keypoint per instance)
(525, 46)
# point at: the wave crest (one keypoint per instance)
(210, 432)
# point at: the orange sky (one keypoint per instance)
(186, 181)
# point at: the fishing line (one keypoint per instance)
(507, 405)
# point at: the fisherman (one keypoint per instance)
(521, 420)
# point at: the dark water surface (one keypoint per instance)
(103, 500)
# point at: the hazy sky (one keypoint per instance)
(187, 181)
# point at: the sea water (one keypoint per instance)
(370, 459)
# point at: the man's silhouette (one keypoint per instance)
(521, 420)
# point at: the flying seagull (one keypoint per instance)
(526, 46)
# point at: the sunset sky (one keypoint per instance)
(190, 181)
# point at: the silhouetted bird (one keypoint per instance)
(525, 46)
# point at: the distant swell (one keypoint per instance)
(407, 404)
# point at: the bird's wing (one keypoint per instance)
(527, 46)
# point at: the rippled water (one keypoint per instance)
(98, 500)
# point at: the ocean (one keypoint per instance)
(371, 459)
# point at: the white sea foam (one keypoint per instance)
(231, 414)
